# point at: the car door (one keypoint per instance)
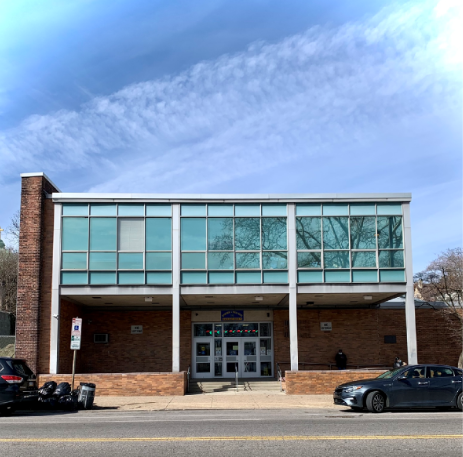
(410, 388)
(443, 385)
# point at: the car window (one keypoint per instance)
(414, 373)
(458, 372)
(389, 374)
(20, 367)
(439, 372)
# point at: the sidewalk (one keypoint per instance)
(214, 401)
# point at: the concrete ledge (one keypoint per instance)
(323, 382)
(126, 384)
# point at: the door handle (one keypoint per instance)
(454, 382)
(423, 383)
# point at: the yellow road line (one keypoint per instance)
(231, 438)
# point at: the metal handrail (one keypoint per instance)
(188, 379)
(236, 376)
(280, 377)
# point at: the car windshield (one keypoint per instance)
(389, 374)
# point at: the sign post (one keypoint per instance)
(76, 336)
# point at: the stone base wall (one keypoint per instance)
(323, 382)
(126, 384)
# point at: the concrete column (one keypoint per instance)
(55, 295)
(175, 288)
(292, 273)
(409, 296)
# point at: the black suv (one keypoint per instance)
(17, 384)
(415, 386)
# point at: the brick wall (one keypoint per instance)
(162, 384)
(34, 278)
(323, 382)
(360, 333)
(150, 351)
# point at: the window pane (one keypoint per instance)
(220, 210)
(103, 234)
(102, 277)
(365, 276)
(103, 209)
(75, 234)
(362, 209)
(273, 210)
(193, 234)
(247, 234)
(102, 260)
(391, 259)
(131, 234)
(158, 261)
(193, 210)
(389, 209)
(74, 261)
(337, 276)
(248, 277)
(274, 233)
(309, 260)
(275, 277)
(74, 277)
(247, 260)
(158, 210)
(336, 259)
(335, 233)
(335, 209)
(364, 259)
(218, 277)
(131, 261)
(75, 209)
(274, 260)
(390, 232)
(158, 278)
(202, 329)
(220, 234)
(193, 260)
(392, 275)
(363, 232)
(308, 209)
(127, 209)
(247, 210)
(158, 234)
(310, 276)
(193, 277)
(220, 260)
(308, 232)
(131, 277)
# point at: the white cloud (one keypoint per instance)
(253, 110)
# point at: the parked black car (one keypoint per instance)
(17, 384)
(414, 386)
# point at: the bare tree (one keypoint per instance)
(8, 280)
(443, 281)
(12, 231)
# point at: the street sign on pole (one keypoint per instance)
(76, 333)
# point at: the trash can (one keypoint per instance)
(86, 394)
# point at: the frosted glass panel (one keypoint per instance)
(335, 210)
(158, 234)
(100, 277)
(75, 234)
(309, 260)
(362, 209)
(129, 277)
(220, 260)
(158, 278)
(274, 260)
(308, 209)
(158, 261)
(220, 234)
(103, 209)
(220, 210)
(308, 233)
(193, 277)
(74, 277)
(275, 277)
(193, 260)
(158, 210)
(274, 233)
(365, 276)
(131, 210)
(75, 209)
(336, 233)
(389, 209)
(392, 275)
(248, 277)
(102, 261)
(337, 276)
(273, 210)
(310, 276)
(131, 234)
(247, 233)
(103, 234)
(364, 259)
(247, 210)
(193, 234)
(247, 260)
(391, 259)
(221, 278)
(193, 210)
(363, 232)
(74, 261)
(131, 261)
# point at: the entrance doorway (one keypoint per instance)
(220, 348)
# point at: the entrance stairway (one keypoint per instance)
(205, 386)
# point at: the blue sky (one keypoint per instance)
(237, 96)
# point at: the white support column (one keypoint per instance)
(175, 288)
(55, 295)
(292, 273)
(409, 296)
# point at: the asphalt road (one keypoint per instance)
(230, 433)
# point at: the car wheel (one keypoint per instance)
(459, 399)
(375, 402)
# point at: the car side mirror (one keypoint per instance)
(401, 378)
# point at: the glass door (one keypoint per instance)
(232, 357)
(203, 365)
(249, 359)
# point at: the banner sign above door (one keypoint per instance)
(232, 315)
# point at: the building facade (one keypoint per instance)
(213, 282)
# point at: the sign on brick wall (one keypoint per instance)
(326, 326)
(136, 329)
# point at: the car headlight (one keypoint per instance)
(352, 388)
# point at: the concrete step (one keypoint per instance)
(197, 387)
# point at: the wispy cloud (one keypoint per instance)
(267, 105)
